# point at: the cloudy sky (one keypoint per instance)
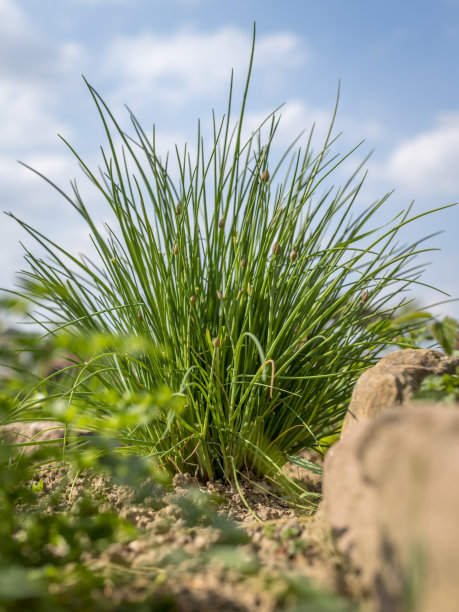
(170, 62)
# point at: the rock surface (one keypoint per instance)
(33, 432)
(393, 380)
(391, 497)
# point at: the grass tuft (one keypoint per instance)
(254, 292)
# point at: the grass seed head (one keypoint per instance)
(216, 342)
(277, 249)
(139, 316)
(264, 176)
(219, 295)
(221, 223)
(300, 344)
(293, 255)
(176, 249)
(193, 300)
(178, 208)
(365, 296)
(243, 262)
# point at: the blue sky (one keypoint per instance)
(171, 61)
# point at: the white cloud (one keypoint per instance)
(12, 19)
(30, 115)
(26, 53)
(295, 117)
(31, 68)
(190, 63)
(60, 168)
(428, 163)
(34, 201)
(425, 168)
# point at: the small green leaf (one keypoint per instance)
(38, 486)
(445, 332)
(307, 465)
(411, 316)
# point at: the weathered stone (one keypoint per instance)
(391, 497)
(393, 381)
(33, 432)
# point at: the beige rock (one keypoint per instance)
(33, 432)
(393, 381)
(391, 497)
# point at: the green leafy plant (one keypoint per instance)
(250, 293)
(419, 328)
(446, 333)
(443, 389)
(47, 544)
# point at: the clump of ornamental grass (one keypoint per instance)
(263, 291)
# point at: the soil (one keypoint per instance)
(200, 544)
(206, 546)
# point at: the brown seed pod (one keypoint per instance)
(365, 297)
(277, 249)
(216, 342)
(239, 293)
(175, 249)
(243, 262)
(264, 176)
(178, 208)
(221, 223)
(219, 295)
(139, 316)
(193, 300)
(293, 255)
(300, 344)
